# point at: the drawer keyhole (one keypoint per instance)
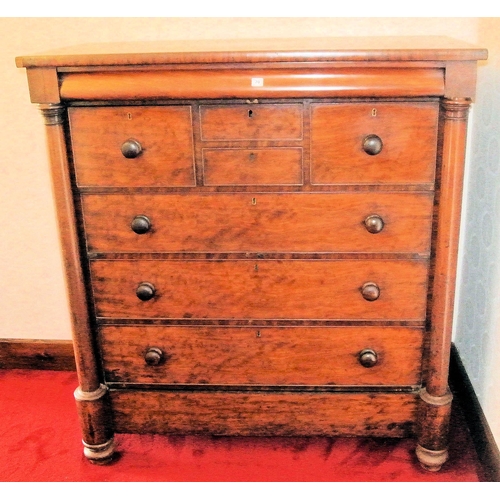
(250, 113)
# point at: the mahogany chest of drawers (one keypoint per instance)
(260, 237)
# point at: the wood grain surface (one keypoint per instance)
(451, 161)
(361, 49)
(408, 132)
(239, 83)
(81, 323)
(251, 122)
(252, 166)
(36, 354)
(263, 414)
(261, 289)
(264, 355)
(259, 222)
(164, 132)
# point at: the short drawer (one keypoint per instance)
(251, 122)
(132, 146)
(261, 289)
(263, 356)
(257, 166)
(259, 222)
(373, 143)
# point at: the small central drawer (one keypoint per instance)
(259, 166)
(251, 122)
(262, 355)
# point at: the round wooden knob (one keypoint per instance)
(372, 144)
(368, 358)
(374, 224)
(141, 224)
(145, 291)
(131, 148)
(154, 356)
(370, 291)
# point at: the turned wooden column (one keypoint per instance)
(432, 450)
(91, 396)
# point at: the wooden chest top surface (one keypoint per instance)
(257, 50)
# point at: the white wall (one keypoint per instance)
(477, 326)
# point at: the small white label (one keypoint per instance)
(257, 82)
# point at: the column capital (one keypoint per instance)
(456, 108)
(53, 114)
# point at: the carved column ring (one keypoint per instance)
(53, 114)
(456, 108)
(443, 400)
(90, 396)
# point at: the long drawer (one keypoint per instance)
(262, 355)
(259, 222)
(261, 289)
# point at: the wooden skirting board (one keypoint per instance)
(37, 354)
(484, 442)
(58, 355)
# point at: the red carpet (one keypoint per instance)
(40, 442)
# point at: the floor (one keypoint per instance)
(40, 441)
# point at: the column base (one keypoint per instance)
(432, 447)
(96, 424)
(431, 460)
(99, 454)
